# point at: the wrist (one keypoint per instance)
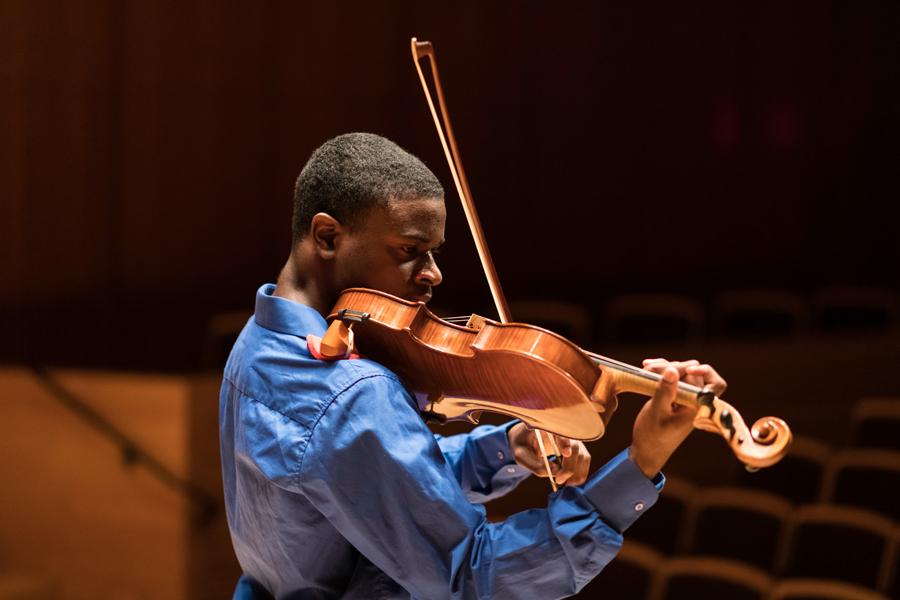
(649, 463)
(513, 431)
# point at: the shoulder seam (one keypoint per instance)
(296, 472)
(258, 401)
(325, 407)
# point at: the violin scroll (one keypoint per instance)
(763, 445)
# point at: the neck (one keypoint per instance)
(303, 280)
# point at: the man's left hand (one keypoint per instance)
(662, 425)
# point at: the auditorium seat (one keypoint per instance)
(662, 526)
(798, 477)
(570, 320)
(736, 523)
(222, 329)
(868, 479)
(875, 423)
(638, 318)
(836, 542)
(759, 313)
(628, 576)
(890, 580)
(852, 308)
(707, 578)
(821, 589)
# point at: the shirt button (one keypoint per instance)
(500, 456)
(510, 469)
(639, 506)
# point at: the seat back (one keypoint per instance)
(662, 527)
(851, 308)
(868, 479)
(652, 317)
(708, 578)
(890, 577)
(629, 574)
(836, 542)
(222, 330)
(821, 589)
(759, 313)
(570, 320)
(875, 423)
(798, 476)
(736, 523)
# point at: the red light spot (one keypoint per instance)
(726, 133)
(783, 127)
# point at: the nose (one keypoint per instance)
(429, 273)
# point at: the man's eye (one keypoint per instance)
(410, 250)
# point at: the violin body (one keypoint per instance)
(515, 369)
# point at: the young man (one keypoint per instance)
(335, 487)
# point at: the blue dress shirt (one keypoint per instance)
(336, 488)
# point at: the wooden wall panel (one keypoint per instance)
(150, 149)
(72, 510)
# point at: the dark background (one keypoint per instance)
(149, 151)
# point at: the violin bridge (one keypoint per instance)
(476, 322)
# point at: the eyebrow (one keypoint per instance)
(421, 239)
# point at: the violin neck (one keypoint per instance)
(617, 377)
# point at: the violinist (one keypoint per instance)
(334, 485)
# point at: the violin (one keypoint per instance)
(524, 372)
(515, 369)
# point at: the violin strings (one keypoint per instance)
(602, 360)
(460, 319)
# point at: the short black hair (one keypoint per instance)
(350, 174)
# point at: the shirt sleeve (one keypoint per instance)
(482, 462)
(376, 472)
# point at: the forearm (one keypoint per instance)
(482, 462)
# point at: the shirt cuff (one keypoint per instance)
(496, 446)
(621, 492)
(499, 456)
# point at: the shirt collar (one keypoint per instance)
(286, 316)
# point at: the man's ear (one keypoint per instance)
(324, 231)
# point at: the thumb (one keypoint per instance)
(668, 386)
(565, 445)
